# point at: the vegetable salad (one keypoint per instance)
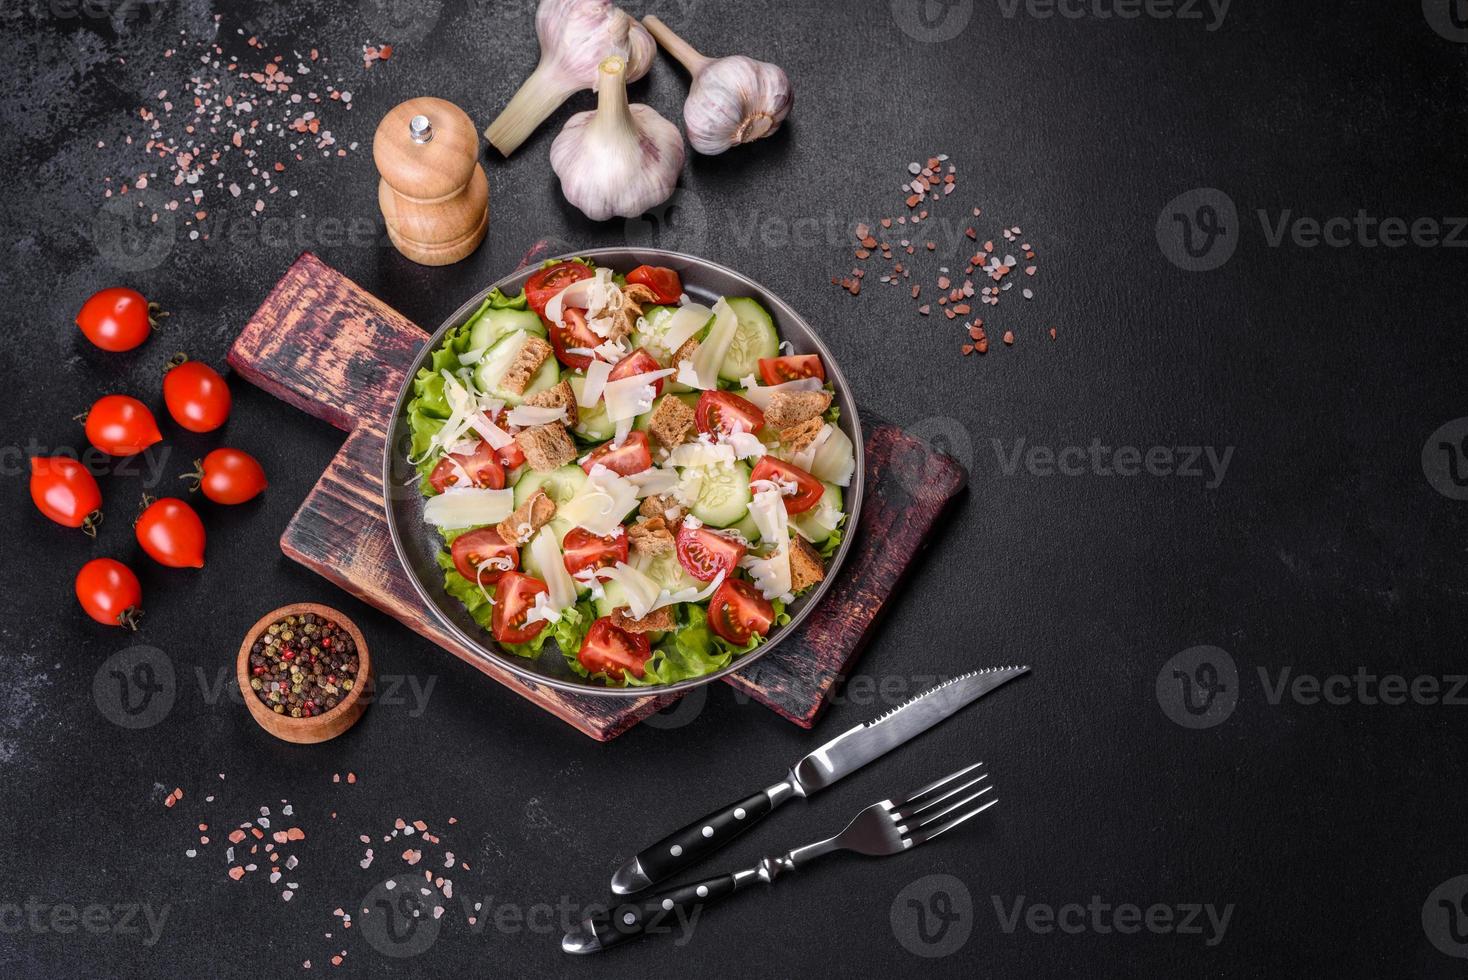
(645, 481)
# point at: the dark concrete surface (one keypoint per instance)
(1329, 834)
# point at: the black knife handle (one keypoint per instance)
(671, 911)
(686, 847)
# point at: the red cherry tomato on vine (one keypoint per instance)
(117, 319)
(120, 425)
(196, 396)
(171, 533)
(65, 491)
(109, 592)
(228, 476)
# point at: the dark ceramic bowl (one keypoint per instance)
(418, 544)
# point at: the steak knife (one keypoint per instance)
(839, 757)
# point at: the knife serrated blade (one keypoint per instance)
(839, 757)
(856, 747)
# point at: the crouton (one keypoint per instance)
(532, 355)
(685, 353)
(638, 297)
(530, 517)
(651, 537)
(672, 422)
(790, 408)
(806, 567)
(546, 446)
(561, 396)
(657, 621)
(665, 506)
(798, 437)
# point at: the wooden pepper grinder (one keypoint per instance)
(433, 193)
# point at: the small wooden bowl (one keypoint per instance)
(322, 727)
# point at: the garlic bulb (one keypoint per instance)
(575, 35)
(619, 159)
(732, 100)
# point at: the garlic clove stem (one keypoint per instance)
(543, 93)
(686, 53)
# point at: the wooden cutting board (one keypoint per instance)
(330, 348)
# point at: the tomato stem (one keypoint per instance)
(89, 526)
(178, 358)
(197, 476)
(129, 618)
(155, 313)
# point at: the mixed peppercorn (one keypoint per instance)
(303, 666)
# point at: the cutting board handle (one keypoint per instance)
(347, 374)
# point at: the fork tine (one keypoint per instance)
(909, 812)
(929, 819)
(923, 836)
(918, 794)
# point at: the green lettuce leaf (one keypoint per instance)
(693, 650)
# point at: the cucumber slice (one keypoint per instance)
(494, 324)
(747, 528)
(492, 367)
(667, 571)
(592, 424)
(723, 495)
(613, 597)
(560, 484)
(819, 523)
(654, 318)
(755, 338)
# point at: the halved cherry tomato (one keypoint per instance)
(791, 367)
(581, 550)
(808, 489)
(473, 548)
(228, 476)
(638, 362)
(511, 455)
(120, 425)
(196, 396)
(541, 287)
(109, 592)
(514, 594)
(66, 491)
(665, 285)
(722, 411)
(117, 319)
(611, 650)
(483, 467)
(574, 334)
(171, 533)
(705, 552)
(737, 611)
(632, 456)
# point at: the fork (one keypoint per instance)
(884, 828)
